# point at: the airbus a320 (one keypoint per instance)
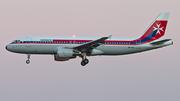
(66, 48)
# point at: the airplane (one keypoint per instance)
(66, 48)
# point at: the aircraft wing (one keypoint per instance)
(91, 45)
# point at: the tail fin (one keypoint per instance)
(156, 30)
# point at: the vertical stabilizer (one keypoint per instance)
(156, 30)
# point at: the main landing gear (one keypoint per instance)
(84, 61)
(28, 61)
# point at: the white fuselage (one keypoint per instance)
(49, 44)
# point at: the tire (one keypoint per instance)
(27, 62)
(82, 63)
(86, 61)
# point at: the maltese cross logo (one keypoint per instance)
(158, 28)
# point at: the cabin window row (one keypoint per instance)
(73, 42)
(51, 42)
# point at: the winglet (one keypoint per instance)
(109, 37)
(106, 37)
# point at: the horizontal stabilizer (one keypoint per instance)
(160, 42)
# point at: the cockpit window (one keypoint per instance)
(16, 41)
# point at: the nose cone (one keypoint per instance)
(6, 47)
(10, 48)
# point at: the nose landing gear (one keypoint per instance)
(28, 61)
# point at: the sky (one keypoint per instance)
(147, 76)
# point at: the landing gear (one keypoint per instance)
(28, 61)
(84, 61)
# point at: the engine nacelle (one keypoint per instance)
(64, 53)
(62, 59)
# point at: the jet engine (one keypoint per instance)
(64, 55)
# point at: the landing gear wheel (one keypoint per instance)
(28, 56)
(86, 61)
(82, 63)
(27, 61)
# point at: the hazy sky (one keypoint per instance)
(148, 76)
